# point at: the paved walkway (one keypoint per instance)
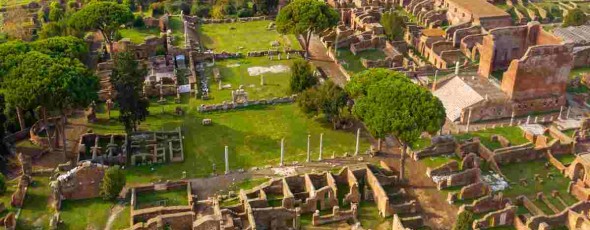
(320, 58)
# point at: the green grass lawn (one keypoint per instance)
(253, 136)
(420, 144)
(352, 63)
(235, 72)
(566, 159)
(171, 198)
(177, 28)
(244, 37)
(137, 35)
(436, 161)
(514, 134)
(5, 197)
(35, 212)
(122, 221)
(527, 170)
(85, 214)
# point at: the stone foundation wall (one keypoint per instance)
(486, 204)
(231, 106)
(336, 216)
(504, 217)
(463, 178)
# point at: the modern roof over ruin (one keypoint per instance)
(481, 8)
(462, 92)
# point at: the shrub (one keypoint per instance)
(157, 8)
(200, 10)
(138, 22)
(2, 184)
(112, 183)
(464, 221)
(575, 17)
(245, 12)
(301, 76)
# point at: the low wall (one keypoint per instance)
(486, 204)
(231, 106)
(232, 20)
(440, 145)
(504, 217)
(336, 216)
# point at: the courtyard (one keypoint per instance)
(244, 37)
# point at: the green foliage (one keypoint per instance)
(38, 79)
(127, 79)
(265, 6)
(56, 13)
(70, 47)
(328, 99)
(575, 17)
(201, 10)
(107, 17)
(112, 183)
(393, 25)
(464, 221)
(306, 16)
(301, 76)
(390, 104)
(138, 22)
(157, 9)
(2, 184)
(245, 12)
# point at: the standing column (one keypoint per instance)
(528, 119)
(226, 160)
(321, 145)
(308, 148)
(468, 120)
(282, 151)
(512, 118)
(457, 68)
(434, 82)
(567, 115)
(358, 139)
(560, 111)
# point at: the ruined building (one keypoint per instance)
(537, 67)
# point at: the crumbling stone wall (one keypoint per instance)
(486, 204)
(82, 182)
(504, 217)
(463, 178)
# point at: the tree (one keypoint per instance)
(2, 184)
(127, 79)
(464, 221)
(68, 46)
(201, 10)
(327, 99)
(54, 83)
(16, 22)
(56, 13)
(106, 17)
(305, 17)
(393, 25)
(388, 103)
(301, 76)
(112, 183)
(575, 17)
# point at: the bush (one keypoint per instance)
(301, 77)
(2, 184)
(200, 10)
(112, 183)
(245, 12)
(575, 17)
(464, 221)
(229, 9)
(138, 22)
(157, 8)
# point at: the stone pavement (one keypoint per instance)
(320, 58)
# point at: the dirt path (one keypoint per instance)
(320, 58)
(115, 211)
(437, 213)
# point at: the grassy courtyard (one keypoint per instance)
(352, 63)
(166, 198)
(514, 134)
(253, 136)
(244, 37)
(527, 170)
(137, 35)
